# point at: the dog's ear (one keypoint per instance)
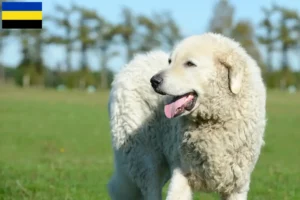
(235, 62)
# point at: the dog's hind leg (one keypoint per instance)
(239, 195)
(152, 190)
(235, 196)
(121, 188)
(153, 194)
(151, 181)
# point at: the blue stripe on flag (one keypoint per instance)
(22, 6)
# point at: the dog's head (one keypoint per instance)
(194, 68)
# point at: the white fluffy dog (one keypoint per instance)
(200, 122)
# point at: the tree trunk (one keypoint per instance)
(284, 65)
(68, 58)
(83, 56)
(103, 70)
(2, 70)
(82, 81)
(26, 80)
(2, 74)
(269, 64)
(129, 53)
(269, 52)
(298, 77)
(129, 49)
(69, 50)
(284, 62)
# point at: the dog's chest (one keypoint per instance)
(206, 159)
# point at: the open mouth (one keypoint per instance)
(181, 103)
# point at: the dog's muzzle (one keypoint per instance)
(156, 82)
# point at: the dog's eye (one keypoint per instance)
(190, 64)
(169, 60)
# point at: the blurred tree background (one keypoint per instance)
(84, 30)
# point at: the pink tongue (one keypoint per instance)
(170, 109)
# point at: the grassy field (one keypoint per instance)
(56, 146)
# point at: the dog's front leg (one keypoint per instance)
(239, 195)
(179, 188)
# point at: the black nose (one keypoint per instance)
(156, 80)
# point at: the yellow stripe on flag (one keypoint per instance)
(22, 15)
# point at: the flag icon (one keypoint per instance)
(22, 15)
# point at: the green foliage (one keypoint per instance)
(86, 31)
(170, 32)
(86, 78)
(35, 77)
(268, 40)
(109, 77)
(223, 22)
(64, 23)
(10, 72)
(275, 79)
(53, 79)
(243, 31)
(19, 76)
(141, 33)
(282, 35)
(78, 79)
(71, 80)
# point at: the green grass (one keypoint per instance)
(56, 145)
